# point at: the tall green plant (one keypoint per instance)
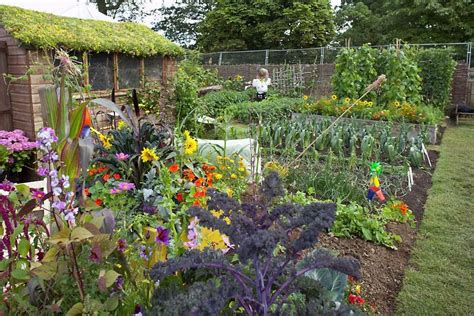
(355, 70)
(437, 69)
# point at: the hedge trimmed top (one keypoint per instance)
(44, 30)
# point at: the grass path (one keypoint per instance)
(440, 278)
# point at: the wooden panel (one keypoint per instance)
(17, 60)
(6, 121)
(23, 98)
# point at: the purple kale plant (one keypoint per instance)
(266, 271)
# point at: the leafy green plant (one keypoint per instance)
(437, 69)
(356, 220)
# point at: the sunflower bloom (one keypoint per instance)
(347, 100)
(334, 97)
(148, 155)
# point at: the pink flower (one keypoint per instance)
(122, 156)
(125, 186)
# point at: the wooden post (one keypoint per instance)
(142, 73)
(116, 71)
(85, 63)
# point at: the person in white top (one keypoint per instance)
(261, 83)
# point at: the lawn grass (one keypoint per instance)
(440, 278)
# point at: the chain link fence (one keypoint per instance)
(318, 55)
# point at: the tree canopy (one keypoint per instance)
(381, 21)
(180, 21)
(263, 24)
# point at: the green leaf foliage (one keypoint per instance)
(265, 24)
(43, 30)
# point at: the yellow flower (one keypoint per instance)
(105, 141)
(334, 97)
(121, 125)
(305, 97)
(229, 192)
(233, 176)
(358, 289)
(148, 155)
(370, 103)
(397, 104)
(242, 169)
(238, 78)
(217, 176)
(365, 102)
(347, 100)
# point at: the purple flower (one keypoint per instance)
(96, 253)
(162, 236)
(122, 156)
(125, 186)
(43, 172)
(144, 252)
(118, 284)
(37, 194)
(150, 209)
(192, 234)
(59, 205)
(114, 191)
(46, 137)
(121, 245)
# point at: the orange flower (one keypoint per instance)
(188, 174)
(116, 176)
(86, 191)
(173, 168)
(98, 202)
(197, 203)
(402, 207)
(106, 177)
(199, 194)
(199, 182)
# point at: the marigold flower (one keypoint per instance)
(233, 176)
(179, 197)
(106, 177)
(98, 202)
(218, 176)
(148, 154)
(199, 194)
(188, 174)
(174, 167)
(116, 176)
(196, 203)
(199, 182)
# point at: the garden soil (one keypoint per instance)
(383, 268)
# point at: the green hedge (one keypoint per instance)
(271, 109)
(437, 70)
(43, 30)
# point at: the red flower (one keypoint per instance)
(86, 191)
(351, 279)
(106, 177)
(199, 194)
(199, 182)
(116, 176)
(360, 300)
(188, 174)
(173, 168)
(98, 202)
(197, 203)
(179, 197)
(352, 298)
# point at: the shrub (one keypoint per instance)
(271, 109)
(215, 103)
(437, 69)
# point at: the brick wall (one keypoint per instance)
(318, 77)
(459, 85)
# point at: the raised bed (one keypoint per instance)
(431, 130)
